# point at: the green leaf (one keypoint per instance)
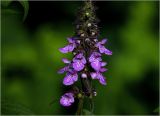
(26, 8)
(157, 110)
(6, 3)
(86, 112)
(12, 108)
(25, 5)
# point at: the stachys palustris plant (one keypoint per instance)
(87, 64)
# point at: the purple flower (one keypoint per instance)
(66, 68)
(95, 56)
(102, 48)
(67, 99)
(99, 76)
(79, 62)
(95, 60)
(96, 65)
(70, 47)
(70, 77)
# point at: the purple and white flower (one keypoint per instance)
(66, 68)
(95, 61)
(79, 62)
(99, 76)
(70, 77)
(102, 48)
(67, 99)
(70, 47)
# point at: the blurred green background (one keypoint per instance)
(32, 32)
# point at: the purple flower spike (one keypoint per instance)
(67, 99)
(70, 47)
(79, 62)
(87, 61)
(70, 78)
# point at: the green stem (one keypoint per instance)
(80, 107)
(91, 105)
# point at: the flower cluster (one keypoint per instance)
(87, 63)
(79, 65)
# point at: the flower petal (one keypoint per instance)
(83, 60)
(68, 48)
(71, 40)
(75, 77)
(64, 69)
(78, 65)
(103, 63)
(103, 41)
(67, 99)
(68, 80)
(103, 70)
(108, 52)
(104, 50)
(70, 95)
(64, 102)
(93, 75)
(65, 60)
(101, 78)
(80, 55)
(95, 56)
(96, 65)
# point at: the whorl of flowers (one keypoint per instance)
(87, 64)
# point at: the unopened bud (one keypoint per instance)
(87, 39)
(89, 24)
(87, 13)
(82, 35)
(93, 33)
(94, 93)
(84, 75)
(95, 40)
(79, 95)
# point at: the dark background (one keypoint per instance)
(30, 57)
